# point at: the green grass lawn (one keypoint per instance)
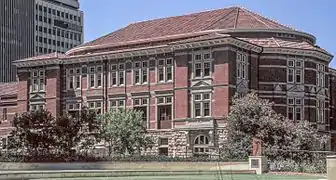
(214, 177)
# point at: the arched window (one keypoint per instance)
(201, 145)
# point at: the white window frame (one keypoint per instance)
(202, 61)
(72, 77)
(167, 64)
(95, 73)
(119, 68)
(117, 102)
(201, 101)
(199, 145)
(36, 106)
(295, 103)
(140, 69)
(242, 66)
(142, 104)
(293, 67)
(320, 75)
(95, 105)
(36, 76)
(320, 111)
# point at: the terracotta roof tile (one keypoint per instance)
(228, 18)
(8, 88)
(54, 55)
(276, 42)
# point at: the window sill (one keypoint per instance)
(202, 78)
(94, 88)
(35, 92)
(165, 82)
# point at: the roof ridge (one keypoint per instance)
(276, 42)
(186, 14)
(274, 21)
(236, 20)
(253, 15)
(224, 16)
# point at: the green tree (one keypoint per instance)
(123, 132)
(77, 133)
(251, 116)
(33, 133)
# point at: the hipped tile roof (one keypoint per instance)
(8, 88)
(228, 18)
(49, 56)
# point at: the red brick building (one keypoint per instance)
(182, 73)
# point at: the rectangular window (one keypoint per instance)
(37, 81)
(197, 109)
(121, 77)
(169, 73)
(41, 83)
(114, 78)
(198, 70)
(144, 75)
(320, 75)
(71, 86)
(161, 74)
(96, 106)
(136, 76)
(294, 109)
(99, 80)
(206, 109)
(115, 103)
(207, 69)
(298, 113)
(242, 66)
(290, 75)
(92, 81)
(290, 113)
(78, 82)
(298, 75)
(295, 71)
(164, 112)
(202, 103)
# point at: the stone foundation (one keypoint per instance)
(180, 142)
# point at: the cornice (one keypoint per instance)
(171, 48)
(302, 52)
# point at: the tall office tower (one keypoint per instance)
(34, 27)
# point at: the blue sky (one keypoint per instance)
(317, 17)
